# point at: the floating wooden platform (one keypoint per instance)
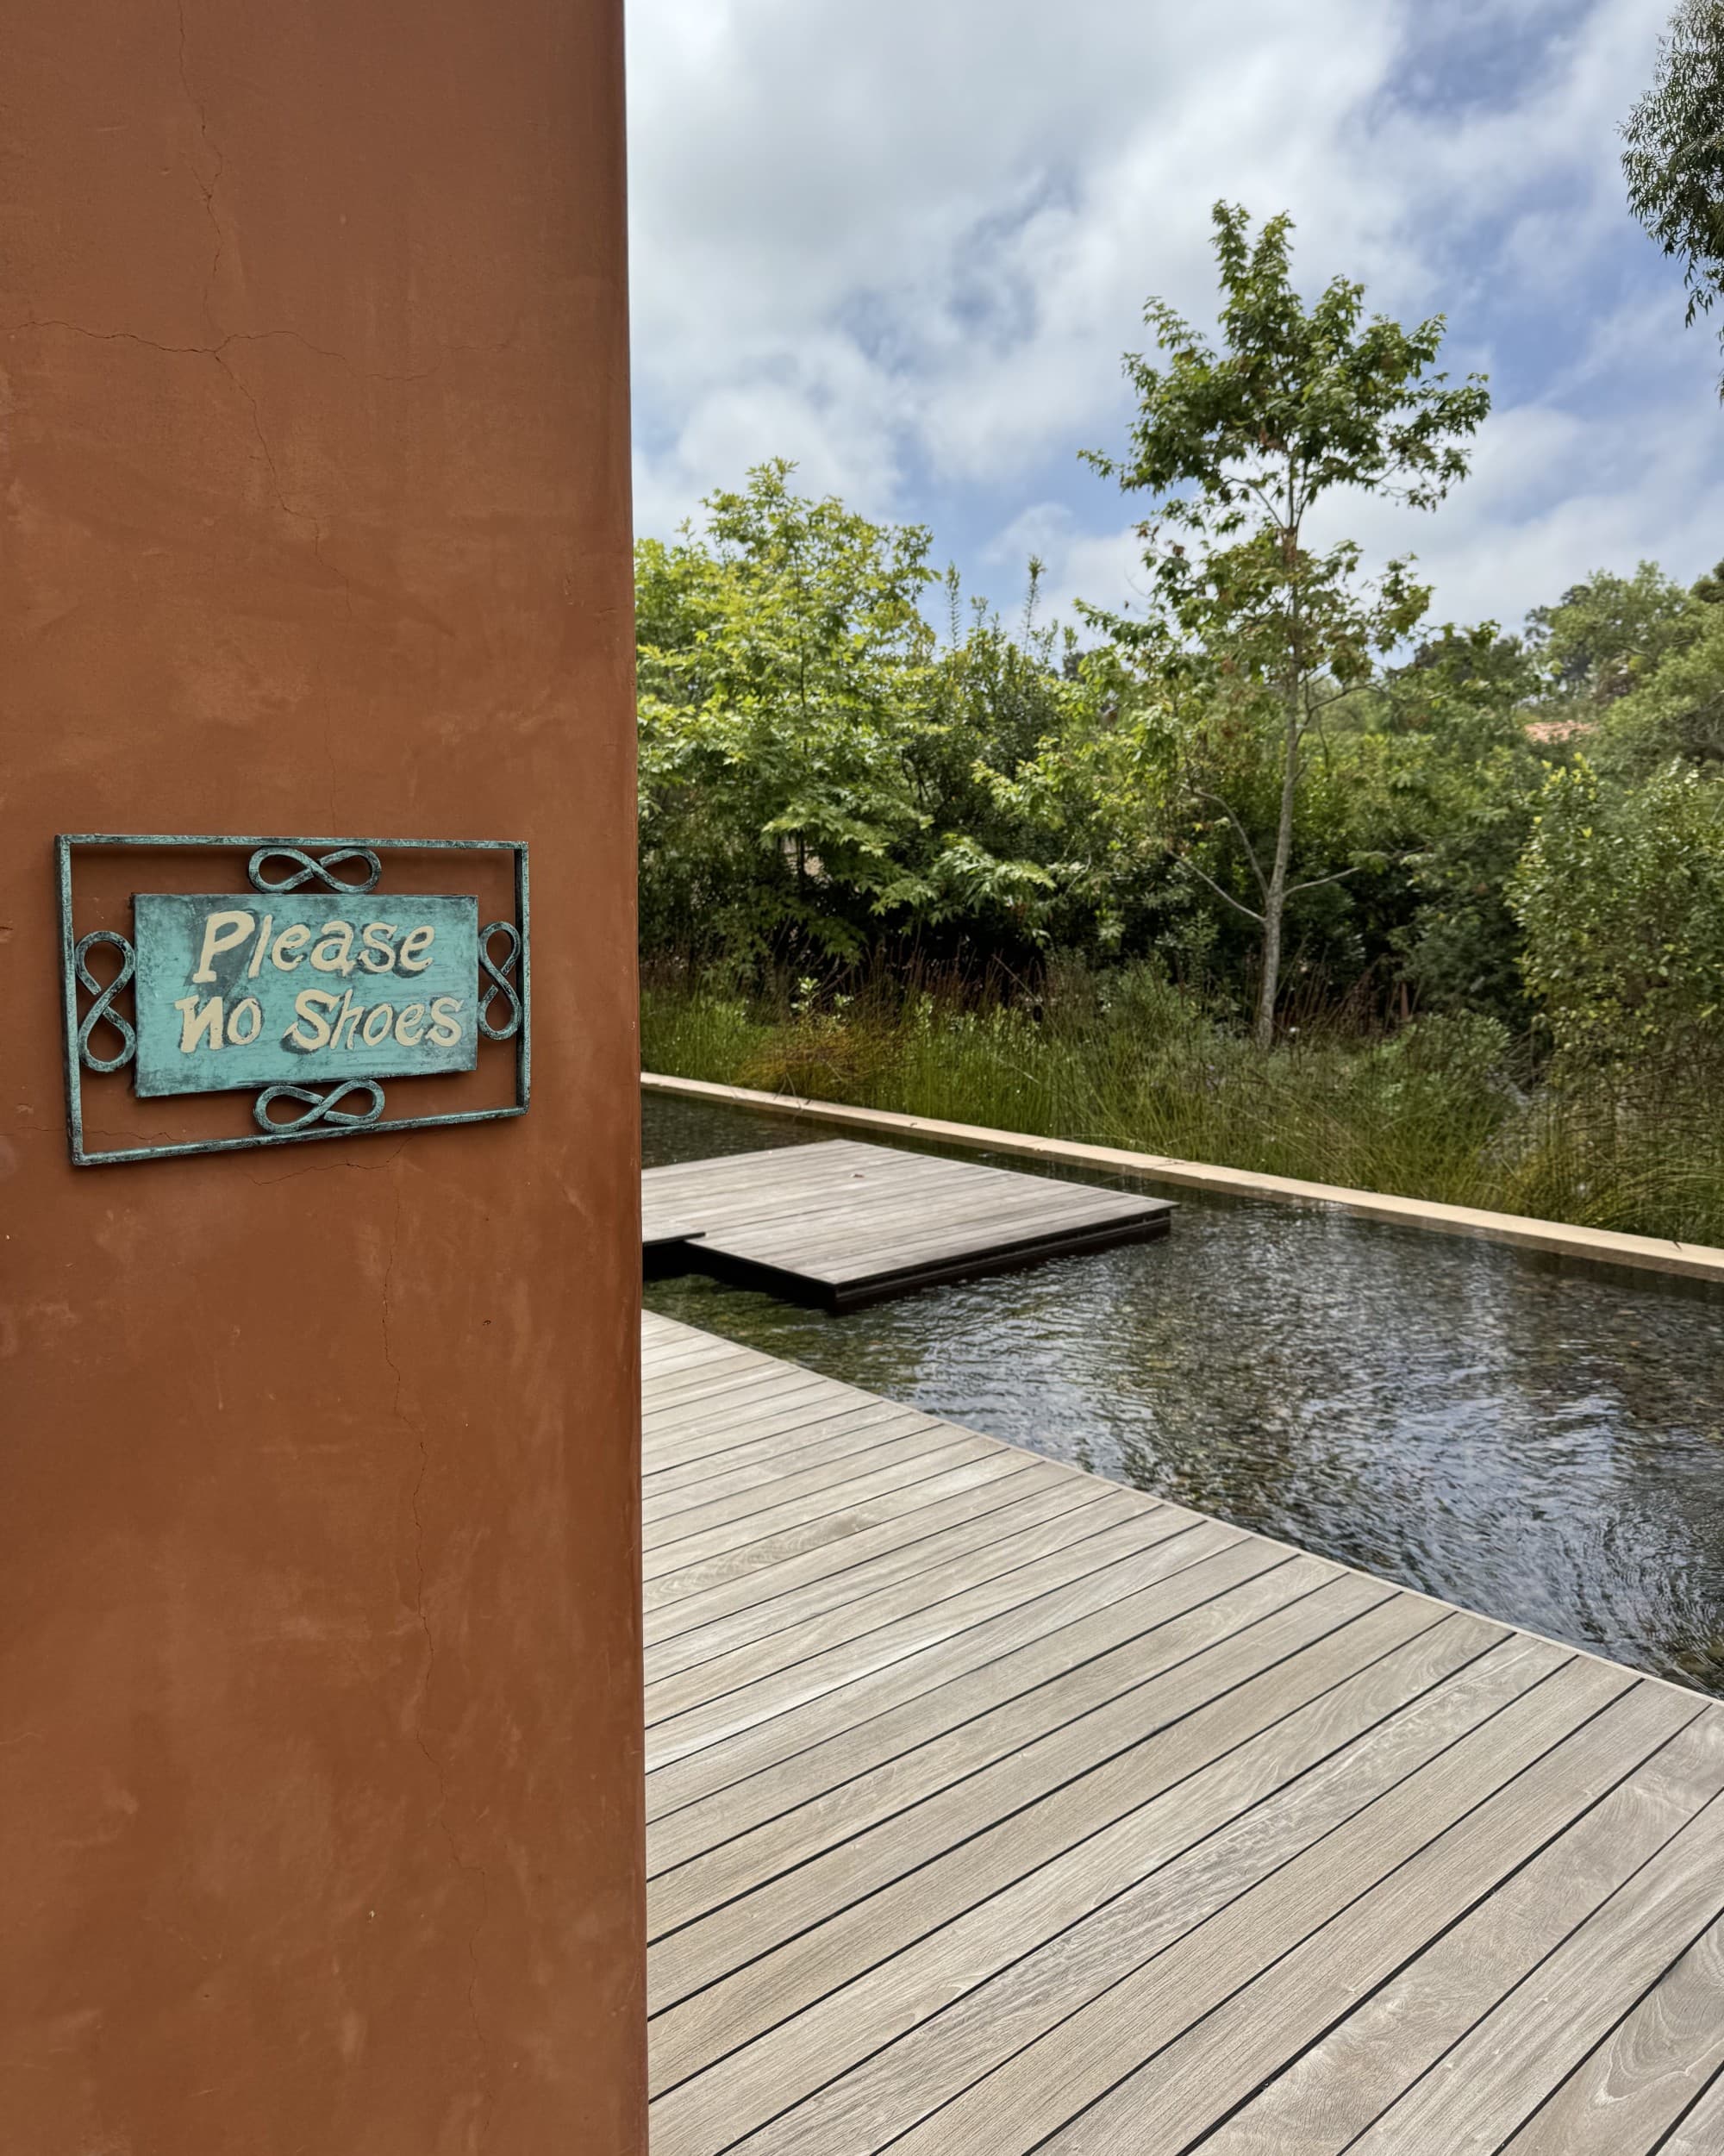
(842, 1223)
(995, 1808)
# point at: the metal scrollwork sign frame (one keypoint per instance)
(340, 1106)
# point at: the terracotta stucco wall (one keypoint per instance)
(318, 1474)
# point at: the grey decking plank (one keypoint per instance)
(732, 1171)
(669, 1349)
(1100, 1869)
(818, 1530)
(1487, 2085)
(959, 1570)
(803, 1421)
(671, 1438)
(667, 1344)
(834, 1496)
(844, 1569)
(708, 1408)
(1050, 2081)
(720, 1189)
(1248, 1587)
(1338, 2085)
(843, 1288)
(1208, 2069)
(911, 1212)
(741, 1166)
(894, 1882)
(794, 1444)
(843, 1216)
(1114, 1551)
(683, 1384)
(1150, 1880)
(1646, 2072)
(770, 1470)
(987, 1524)
(672, 1423)
(1085, 1653)
(666, 1359)
(702, 1382)
(872, 1241)
(738, 1187)
(661, 1335)
(750, 1751)
(1701, 2131)
(871, 1179)
(838, 1191)
(1192, 1851)
(827, 1472)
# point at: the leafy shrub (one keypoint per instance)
(1620, 898)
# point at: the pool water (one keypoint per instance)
(1540, 1442)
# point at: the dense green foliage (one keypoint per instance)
(817, 765)
(1674, 158)
(895, 852)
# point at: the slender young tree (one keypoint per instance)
(1674, 154)
(1236, 449)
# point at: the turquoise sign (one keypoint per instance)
(306, 992)
(256, 990)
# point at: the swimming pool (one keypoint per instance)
(1541, 1442)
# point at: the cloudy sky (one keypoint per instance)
(906, 244)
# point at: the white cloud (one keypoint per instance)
(907, 247)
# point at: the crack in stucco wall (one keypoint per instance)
(206, 188)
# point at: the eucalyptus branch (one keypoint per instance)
(1316, 882)
(1340, 696)
(1250, 850)
(1238, 904)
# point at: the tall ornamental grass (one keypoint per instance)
(1444, 1108)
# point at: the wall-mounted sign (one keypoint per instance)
(307, 990)
(239, 991)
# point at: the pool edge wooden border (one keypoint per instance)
(1592, 1246)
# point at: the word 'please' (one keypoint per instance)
(330, 948)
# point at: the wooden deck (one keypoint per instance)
(995, 1808)
(842, 1223)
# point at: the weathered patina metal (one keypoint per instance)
(320, 1108)
(322, 873)
(500, 983)
(102, 1011)
(245, 1021)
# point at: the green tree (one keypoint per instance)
(1605, 635)
(808, 750)
(1674, 159)
(1236, 450)
(773, 655)
(1674, 709)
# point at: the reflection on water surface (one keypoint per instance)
(1543, 1445)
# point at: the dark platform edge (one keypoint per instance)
(667, 1258)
